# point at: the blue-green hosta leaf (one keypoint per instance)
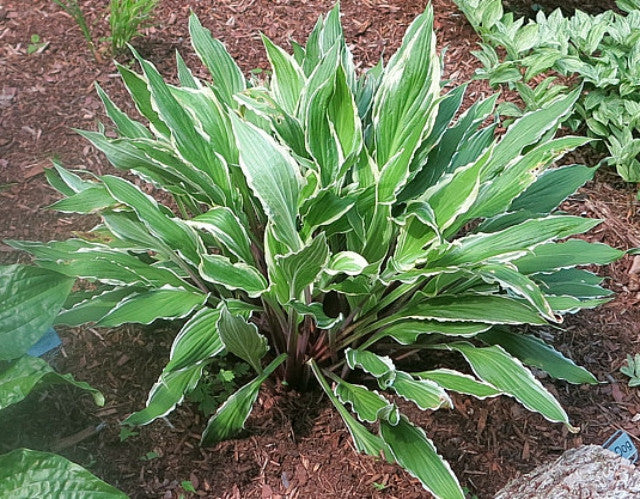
(288, 78)
(31, 298)
(501, 370)
(223, 224)
(535, 352)
(551, 188)
(363, 440)
(148, 306)
(514, 241)
(92, 199)
(489, 309)
(368, 405)
(405, 105)
(573, 282)
(293, 272)
(241, 338)
(197, 341)
(227, 76)
(125, 126)
(574, 252)
(219, 270)
(346, 262)
(376, 365)
(278, 186)
(459, 382)
(413, 451)
(408, 332)
(173, 232)
(424, 393)
(230, 417)
(94, 308)
(166, 394)
(510, 279)
(28, 473)
(26, 373)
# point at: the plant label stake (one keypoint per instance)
(48, 342)
(620, 443)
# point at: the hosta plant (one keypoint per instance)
(600, 52)
(322, 223)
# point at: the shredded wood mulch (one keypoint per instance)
(295, 445)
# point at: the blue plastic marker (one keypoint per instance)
(620, 443)
(48, 342)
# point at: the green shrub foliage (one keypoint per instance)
(600, 52)
(323, 222)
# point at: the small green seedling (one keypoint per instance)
(36, 45)
(150, 456)
(187, 486)
(632, 369)
(379, 486)
(126, 432)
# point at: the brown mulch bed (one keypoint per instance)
(296, 445)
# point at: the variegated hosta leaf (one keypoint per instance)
(242, 339)
(424, 393)
(219, 269)
(95, 307)
(25, 374)
(408, 332)
(230, 417)
(376, 365)
(346, 262)
(288, 78)
(166, 394)
(368, 405)
(148, 306)
(459, 382)
(495, 366)
(412, 450)
(363, 440)
(535, 352)
(31, 298)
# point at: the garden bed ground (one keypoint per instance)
(296, 445)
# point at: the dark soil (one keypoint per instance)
(529, 9)
(295, 445)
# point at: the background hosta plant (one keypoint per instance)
(321, 223)
(600, 51)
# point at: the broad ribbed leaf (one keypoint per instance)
(346, 262)
(535, 352)
(31, 298)
(197, 341)
(368, 405)
(278, 186)
(219, 270)
(405, 105)
(499, 369)
(227, 77)
(28, 473)
(28, 373)
(242, 339)
(292, 273)
(95, 198)
(166, 394)
(572, 282)
(223, 224)
(146, 307)
(489, 309)
(424, 393)
(230, 417)
(416, 453)
(458, 382)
